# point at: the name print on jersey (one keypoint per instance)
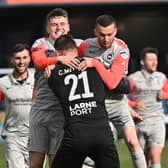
(64, 71)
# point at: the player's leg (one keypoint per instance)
(73, 148)
(131, 139)
(38, 144)
(16, 151)
(106, 155)
(36, 159)
(50, 159)
(56, 133)
(155, 155)
(120, 116)
(67, 157)
(134, 147)
(156, 142)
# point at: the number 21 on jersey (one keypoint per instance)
(75, 78)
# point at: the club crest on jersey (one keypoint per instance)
(124, 53)
(50, 53)
(108, 57)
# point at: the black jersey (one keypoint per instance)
(87, 132)
(81, 94)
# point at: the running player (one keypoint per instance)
(148, 88)
(16, 89)
(87, 131)
(111, 62)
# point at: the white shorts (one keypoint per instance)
(151, 133)
(16, 151)
(119, 114)
(45, 137)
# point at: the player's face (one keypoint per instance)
(105, 35)
(57, 26)
(21, 62)
(150, 63)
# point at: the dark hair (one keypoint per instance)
(146, 50)
(57, 12)
(19, 47)
(105, 20)
(65, 42)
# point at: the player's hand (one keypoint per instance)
(86, 63)
(140, 105)
(3, 133)
(136, 117)
(69, 60)
(160, 95)
(48, 69)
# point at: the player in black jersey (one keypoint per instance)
(87, 131)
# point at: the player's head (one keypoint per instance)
(20, 58)
(65, 45)
(57, 23)
(105, 30)
(149, 59)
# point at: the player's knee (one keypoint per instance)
(36, 165)
(133, 145)
(155, 158)
(131, 139)
(155, 154)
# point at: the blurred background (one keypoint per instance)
(140, 22)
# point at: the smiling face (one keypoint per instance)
(106, 34)
(150, 62)
(57, 26)
(20, 61)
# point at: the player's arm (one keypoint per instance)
(2, 133)
(110, 77)
(163, 93)
(81, 48)
(41, 60)
(113, 76)
(132, 103)
(123, 86)
(136, 117)
(1, 95)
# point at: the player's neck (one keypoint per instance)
(20, 76)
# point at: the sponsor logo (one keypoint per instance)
(84, 108)
(124, 53)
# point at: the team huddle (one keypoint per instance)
(78, 88)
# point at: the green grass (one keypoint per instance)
(124, 155)
(2, 157)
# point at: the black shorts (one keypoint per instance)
(82, 141)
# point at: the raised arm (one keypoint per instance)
(41, 60)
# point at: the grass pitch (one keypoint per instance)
(125, 158)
